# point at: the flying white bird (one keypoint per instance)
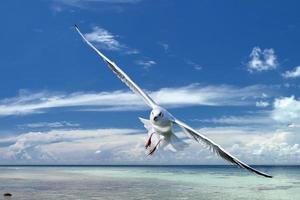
(161, 121)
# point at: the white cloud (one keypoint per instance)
(116, 6)
(256, 139)
(262, 60)
(104, 38)
(126, 146)
(67, 146)
(131, 51)
(146, 63)
(285, 113)
(61, 124)
(269, 148)
(196, 66)
(253, 120)
(293, 73)
(28, 103)
(164, 45)
(104, 1)
(38, 102)
(209, 95)
(287, 110)
(56, 9)
(260, 146)
(262, 104)
(85, 3)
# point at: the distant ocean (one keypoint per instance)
(148, 182)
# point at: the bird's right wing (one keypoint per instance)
(216, 148)
(121, 75)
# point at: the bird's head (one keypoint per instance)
(157, 115)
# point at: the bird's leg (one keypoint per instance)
(149, 141)
(152, 150)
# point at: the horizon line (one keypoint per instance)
(141, 165)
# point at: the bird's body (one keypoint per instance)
(161, 122)
(160, 125)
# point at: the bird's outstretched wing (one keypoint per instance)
(216, 148)
(121, 75)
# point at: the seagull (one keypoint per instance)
(161, 121)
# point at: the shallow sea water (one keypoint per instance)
(149, 182)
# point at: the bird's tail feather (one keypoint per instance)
(177, 143)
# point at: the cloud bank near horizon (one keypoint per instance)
(126, 146)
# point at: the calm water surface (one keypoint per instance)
(144, 182)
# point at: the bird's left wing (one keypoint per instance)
(216, 148)
(121, 75)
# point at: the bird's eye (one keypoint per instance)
(160, 114)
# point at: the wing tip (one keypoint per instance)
(257, 171)
(267, 176)
(77, 29)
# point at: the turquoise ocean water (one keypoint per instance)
(148, 182)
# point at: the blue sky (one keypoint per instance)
(230, 69)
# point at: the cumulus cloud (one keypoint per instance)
(255, 139)
(286, 110)
(262, 60)
(293, 73)
(192, 95)
(66, 145)
(258, 146)
(126, 146)
(284, 113)
(269, 148)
